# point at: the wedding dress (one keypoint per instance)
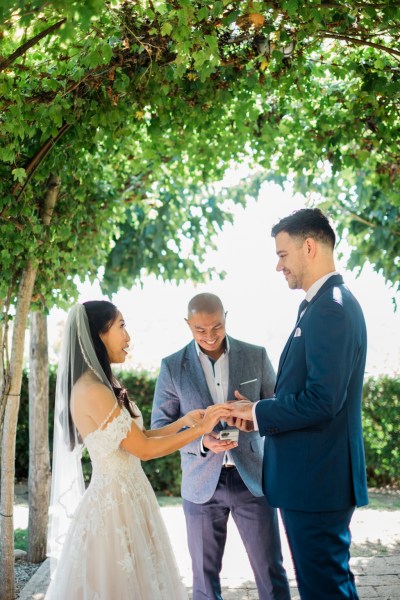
(117, 547)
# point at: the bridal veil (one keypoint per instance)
(67, 487)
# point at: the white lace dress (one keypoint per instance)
(117, 547)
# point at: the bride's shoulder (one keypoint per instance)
(91, 398)
(88, 388)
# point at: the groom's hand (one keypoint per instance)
(241, 424)
(242, 411)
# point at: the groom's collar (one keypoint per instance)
(317, 285)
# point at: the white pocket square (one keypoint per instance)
(297, 333)
(249, 381)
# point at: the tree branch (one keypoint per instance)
(358, 42)
(4, 64)
(50, 199)
(36, 161)
(369, 223)
(361, 220)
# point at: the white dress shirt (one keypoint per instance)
(217, 378)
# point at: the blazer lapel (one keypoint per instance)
(332, 281)
(194, 374)
(235, 368)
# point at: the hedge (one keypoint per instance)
(164, 473)
(381, 422)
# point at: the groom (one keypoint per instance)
(221, 477)
(314, 466)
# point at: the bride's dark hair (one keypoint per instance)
(101, 315)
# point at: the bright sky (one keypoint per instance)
(261, 308)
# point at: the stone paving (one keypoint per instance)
(378, 578)
(376, 534)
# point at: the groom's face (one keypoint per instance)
(209, 332)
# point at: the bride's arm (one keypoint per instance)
(191, 418)
(158, 443)
(97, 402)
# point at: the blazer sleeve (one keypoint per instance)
(268, 376)
(166, 404)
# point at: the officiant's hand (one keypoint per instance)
(213, 443)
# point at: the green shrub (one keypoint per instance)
(22, 438)
(164, 473)
(381, 422)
(21, 539)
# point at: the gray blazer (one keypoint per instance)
(181, 387)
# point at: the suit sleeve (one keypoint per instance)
(166, 405)
(329, 353)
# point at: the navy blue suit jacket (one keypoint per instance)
(314, 452)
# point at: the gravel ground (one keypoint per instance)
(23, 572)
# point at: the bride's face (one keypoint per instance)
(116, 340)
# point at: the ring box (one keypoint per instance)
(231, 435)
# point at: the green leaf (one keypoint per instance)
(203, 13)
(106, 52)
(19, 174)
(291, 6)
(166, 28)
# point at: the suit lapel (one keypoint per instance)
(332, 281)
(235, 368)
(194, 375)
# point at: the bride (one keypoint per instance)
(110, 541)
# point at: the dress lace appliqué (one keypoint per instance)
(117, 546)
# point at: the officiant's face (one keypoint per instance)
(209, 332)
(116, 340)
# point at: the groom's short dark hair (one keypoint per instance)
(307, 222)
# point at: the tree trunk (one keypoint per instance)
(4, 358)
(39, 456)
(7, 589)
(2, 333)
(12, 394)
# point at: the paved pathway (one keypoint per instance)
(377, 577)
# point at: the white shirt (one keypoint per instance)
(311, 292)
(216, 374)
(217, 378)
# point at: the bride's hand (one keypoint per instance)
(213, 414)
(194, 417)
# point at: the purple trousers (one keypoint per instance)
(258, 526)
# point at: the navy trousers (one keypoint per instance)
(258, 526)
(320, 547)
